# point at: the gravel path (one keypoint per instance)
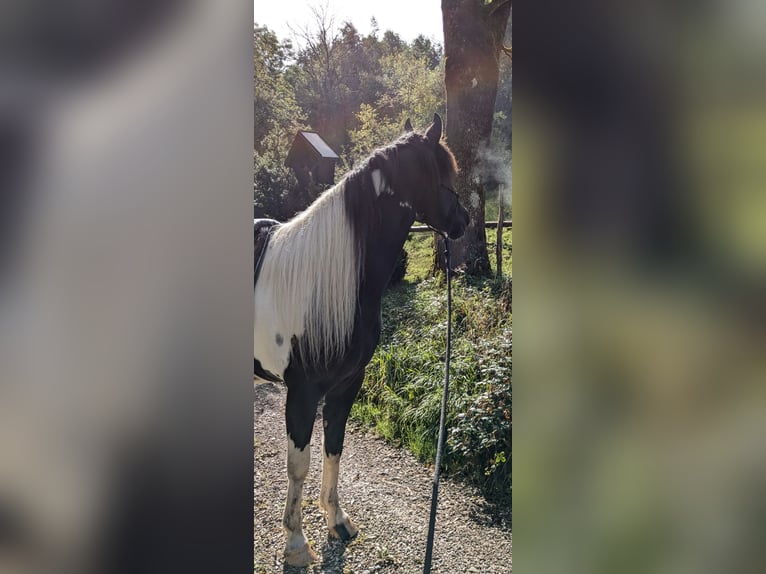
(385, 490)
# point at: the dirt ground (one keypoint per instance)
(386, 491)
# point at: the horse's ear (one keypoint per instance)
(434, 131)
(408, 125)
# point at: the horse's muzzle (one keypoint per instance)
(459, 223)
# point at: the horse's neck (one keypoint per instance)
(383, 249)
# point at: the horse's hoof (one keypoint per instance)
(300, 557)
(344, 530)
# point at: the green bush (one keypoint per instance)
(480, 440)
(271, 185)
(401, 396)
(276, 192)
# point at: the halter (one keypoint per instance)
(452, 210)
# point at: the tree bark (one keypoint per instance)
(473, 42)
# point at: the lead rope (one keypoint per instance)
(443, 418)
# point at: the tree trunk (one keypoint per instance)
(473, 41)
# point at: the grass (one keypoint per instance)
(419, 248)
(402, 390)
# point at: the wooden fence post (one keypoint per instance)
(499, 246)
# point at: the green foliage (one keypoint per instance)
(402, 391)
(277, 117)
(420, 247)
(371, 131)
(392, 43)
(276, 113)
(273, 186)
(491, 208)
(335, 72)
(423, 48)
(411, 89)
(481, 437)
(400, 269)
(355, 90)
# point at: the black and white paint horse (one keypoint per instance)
(318, 300)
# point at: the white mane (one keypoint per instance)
(312, 267)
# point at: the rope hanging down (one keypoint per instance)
(443, 418)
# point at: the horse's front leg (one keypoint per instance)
(299, 416)
(335, 413)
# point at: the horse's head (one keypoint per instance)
(426, 178)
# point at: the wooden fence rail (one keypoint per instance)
(488, 224)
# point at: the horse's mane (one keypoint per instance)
(315, 260)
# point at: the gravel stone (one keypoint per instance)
(387, 493)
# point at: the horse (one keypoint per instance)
(318, 301)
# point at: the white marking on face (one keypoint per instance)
(475, 199)
(405, 204)
(474, 83)
(379, 183)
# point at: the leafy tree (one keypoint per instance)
(373, 131)
(276, 118)
(410, 90)
(321, 76)
(392, 43)
(374, 28)
(338, 71)
(276, 113)
(431, 52)
(360, 72)
(355, 90)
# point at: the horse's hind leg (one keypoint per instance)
(335, 413)
(299, 416)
